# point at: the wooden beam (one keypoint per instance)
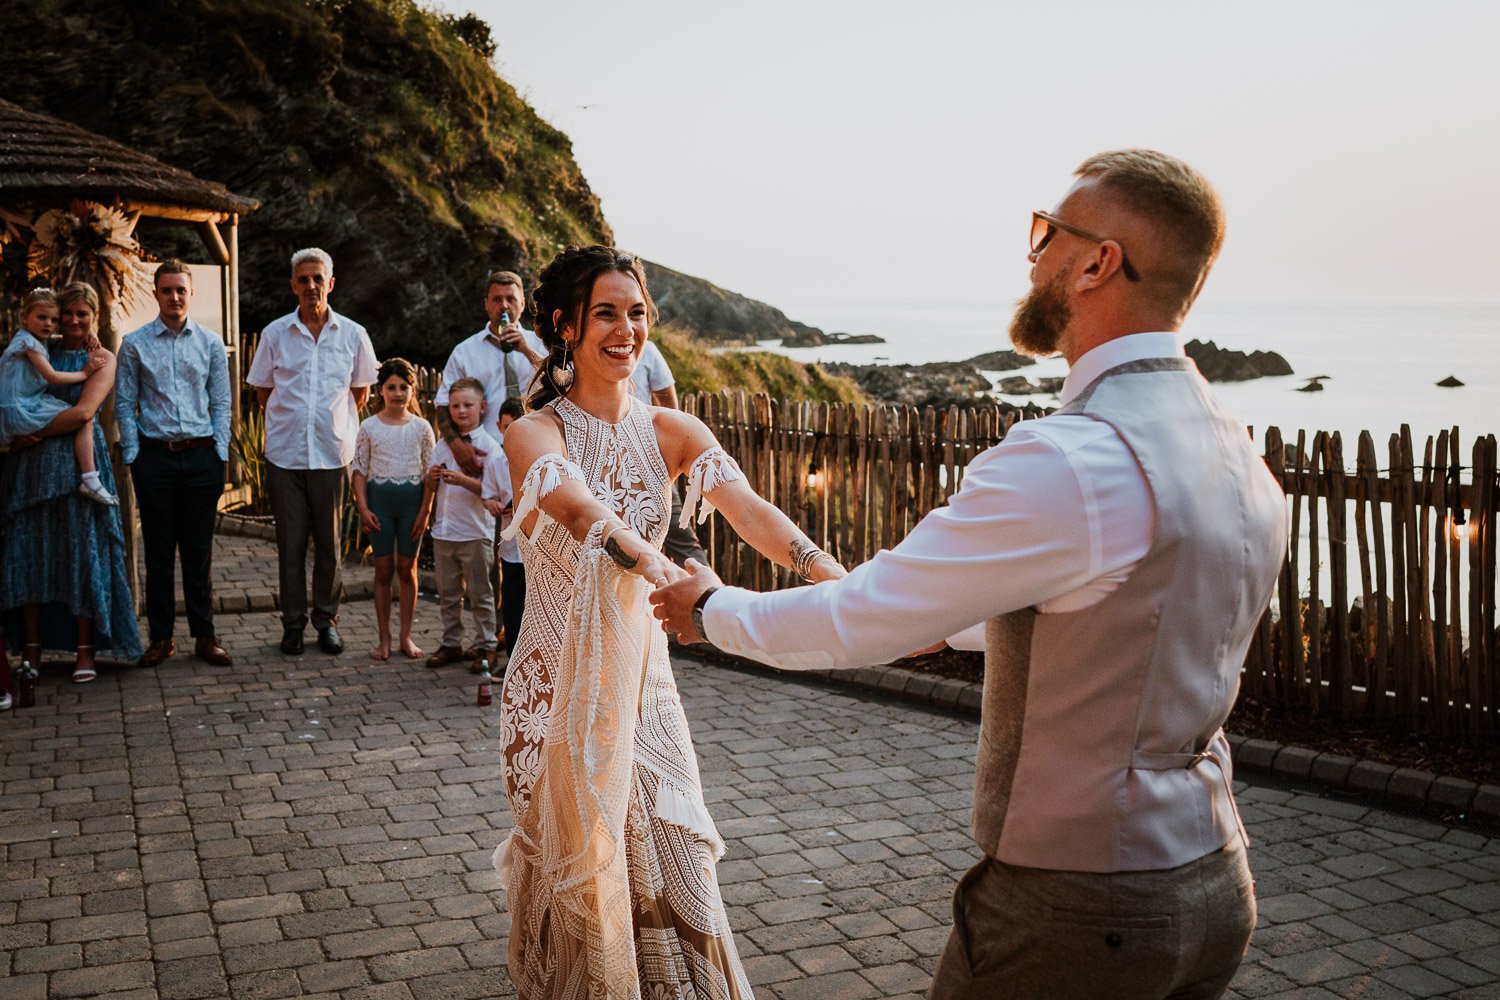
(214, 241)
(182, 212)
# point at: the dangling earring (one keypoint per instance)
(562, 372)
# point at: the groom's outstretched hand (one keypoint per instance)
(674, 602)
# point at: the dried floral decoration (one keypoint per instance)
(92, 243)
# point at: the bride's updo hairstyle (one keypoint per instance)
(566, 287)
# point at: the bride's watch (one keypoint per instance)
(698, 610)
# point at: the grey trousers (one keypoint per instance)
(1177, 934)
(461, 567)
(309, 502)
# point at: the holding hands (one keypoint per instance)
(674, 603)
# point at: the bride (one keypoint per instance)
(610, 868)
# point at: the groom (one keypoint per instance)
(1113, 560)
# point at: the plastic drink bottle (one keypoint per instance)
(26, 685)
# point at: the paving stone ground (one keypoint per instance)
(322, 826)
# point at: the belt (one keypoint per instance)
(181, 444)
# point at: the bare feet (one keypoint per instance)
(411, 649)
(382, 651)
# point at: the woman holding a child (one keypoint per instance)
(62, 552)
(610, 869)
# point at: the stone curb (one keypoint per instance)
(1371, 780)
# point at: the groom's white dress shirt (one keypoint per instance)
(1054, 517)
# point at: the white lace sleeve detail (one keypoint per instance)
(708, 472)
(362, 451)
(545, 475)
(429, 441)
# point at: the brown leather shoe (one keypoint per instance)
(445, 655)
(157, 653)
(208, 650)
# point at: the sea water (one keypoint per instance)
(1382, 362)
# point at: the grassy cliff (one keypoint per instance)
(700, 369)
(374, 128)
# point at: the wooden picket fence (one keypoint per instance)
(1385, 609)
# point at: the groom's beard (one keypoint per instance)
(1041, 317)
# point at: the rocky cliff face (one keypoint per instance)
(375, 129)
(721, 316)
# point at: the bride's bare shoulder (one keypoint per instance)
(681, 437)
(539, 430)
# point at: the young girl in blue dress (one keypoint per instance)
(25, 374)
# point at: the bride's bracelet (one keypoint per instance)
(805, 555)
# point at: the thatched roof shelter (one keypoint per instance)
(46, 159)
(48, 166)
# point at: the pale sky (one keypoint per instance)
(837, 152)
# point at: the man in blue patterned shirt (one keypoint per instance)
(172, 403)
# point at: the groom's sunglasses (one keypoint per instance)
(1044, 226)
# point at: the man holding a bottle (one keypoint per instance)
(503, 356)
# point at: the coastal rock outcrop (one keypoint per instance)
(813, 337)
(721, 316)
(1020, 385)
(1000, 361)
(942, 383)
(1222, 364)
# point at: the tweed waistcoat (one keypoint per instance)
(1101, 746)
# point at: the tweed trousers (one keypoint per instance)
(1020, 933)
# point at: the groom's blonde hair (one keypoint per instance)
(1178, 200)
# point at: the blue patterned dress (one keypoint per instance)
(59, 548)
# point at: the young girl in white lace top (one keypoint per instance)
(390, 456)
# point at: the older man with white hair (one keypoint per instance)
(312, 373)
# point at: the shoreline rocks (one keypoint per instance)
(938, 383)
(1221, 364)
(811, 336)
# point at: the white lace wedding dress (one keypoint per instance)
(610, 869)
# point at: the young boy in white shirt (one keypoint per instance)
(463, 532)
(498, 500)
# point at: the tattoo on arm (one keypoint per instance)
(612, 547)
(804, 554)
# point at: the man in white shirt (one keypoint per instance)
(503, 357)
(312, 373)
(653, 383)
(1117, 556)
